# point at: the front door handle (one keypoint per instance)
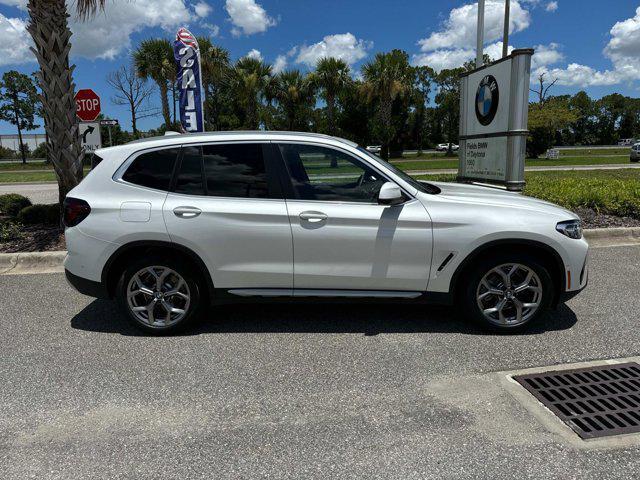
(186, 212)
(313, 217)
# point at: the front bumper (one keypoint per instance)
(87, 287)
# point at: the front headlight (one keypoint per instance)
(570, 228)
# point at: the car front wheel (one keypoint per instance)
(158, 295)
(507, 292)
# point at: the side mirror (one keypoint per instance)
(390, 194)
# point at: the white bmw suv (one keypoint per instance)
(171, 225)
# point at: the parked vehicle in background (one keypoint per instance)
(634, 156)
(443, 147)
(171, 225)
(626, 141)
(374, 149)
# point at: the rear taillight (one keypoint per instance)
(75, 211)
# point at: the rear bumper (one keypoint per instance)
(87, 287)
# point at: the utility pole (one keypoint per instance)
(480, 42)
(505, 36)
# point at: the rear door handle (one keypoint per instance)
(186, 212)
(313, 217)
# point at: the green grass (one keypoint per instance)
(5, 166)
(613, 192)
(36, 177)
(586, 151)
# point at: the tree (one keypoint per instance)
(251, 78)
(424, 77)
(387, 77)
(154, 60)
(331, 77)
(216, 76)
(609, 112)
(448, 101)
(584, 127)
(542, 91)
(295, 95)
(133, 92)
(49, 29)
(545, 120)
(18, 104)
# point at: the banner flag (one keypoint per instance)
(187, 55)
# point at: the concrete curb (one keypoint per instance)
(31, 262)
(51, 262)
(603, 237)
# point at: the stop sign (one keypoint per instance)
(87, 105)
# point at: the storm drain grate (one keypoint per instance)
(595, 402)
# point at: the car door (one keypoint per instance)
(226, 205)
(343, 239)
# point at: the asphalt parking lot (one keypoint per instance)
(297, 391)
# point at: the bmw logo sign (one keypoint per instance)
(487, 98)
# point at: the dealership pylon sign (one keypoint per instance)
(187, 56)
(494, 106)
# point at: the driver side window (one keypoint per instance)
(325, 174)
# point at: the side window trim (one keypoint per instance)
(292, 194)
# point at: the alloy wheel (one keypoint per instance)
(158, 296)
(509, 294)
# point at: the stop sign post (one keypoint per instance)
(87, 105)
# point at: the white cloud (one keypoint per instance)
(453, 58)
(214, 30)
(344, 46)
(623, 50)
(21, 4)
(108, 34)
(551, 7)
(546, 55)
(202, 9)
(444, 59)
(280, 64)
(248, 17)
(576, 75)
(253, 53)
(459, 29)
(14, 41)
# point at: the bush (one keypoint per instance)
(10, 231)
(7, 153)
(12, 203)
(40, 214)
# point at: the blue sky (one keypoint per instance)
(585, 44)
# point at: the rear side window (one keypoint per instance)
(235, 170)
(152, 169)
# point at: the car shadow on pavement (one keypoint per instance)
(368, 319)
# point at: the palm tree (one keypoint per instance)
(387, 77)
(251, 78)
(154, 59)
(216, 74)
(295, 95)
(331, 78)
(49, 28)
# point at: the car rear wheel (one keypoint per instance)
(507, 292)
(159, 295)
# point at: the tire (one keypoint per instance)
(185, 300)
(483, 280)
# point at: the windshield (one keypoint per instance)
(420, 186)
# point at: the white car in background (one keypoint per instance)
(169, 226)
(374, 149)
(443, 147)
